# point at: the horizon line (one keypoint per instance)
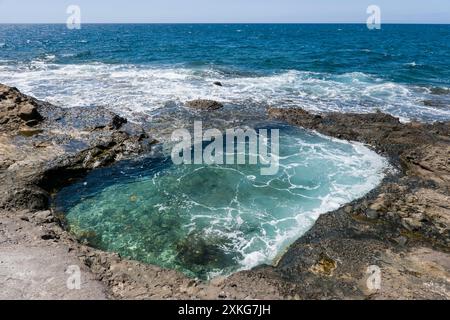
(242, 23)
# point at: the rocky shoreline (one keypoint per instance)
(402, 227)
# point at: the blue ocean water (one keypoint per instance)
(400, 69)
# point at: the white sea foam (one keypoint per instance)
(130, 88)
(362, 163)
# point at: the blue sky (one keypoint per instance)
(241, 11)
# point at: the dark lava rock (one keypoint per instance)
(203, 253)
(204, 104)
(436, 104)
(117, 122)
(439, 91)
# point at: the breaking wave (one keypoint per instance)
(129, 88)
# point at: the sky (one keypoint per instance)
(225, 11)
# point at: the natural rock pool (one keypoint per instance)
(214, 220)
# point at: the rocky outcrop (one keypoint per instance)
(17, 110)
(65, 143)
(207, 105)
(400, 231)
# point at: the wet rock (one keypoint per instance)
(348, 209)
(200, 253)
(71, 147)
(117, 122)
(439, 91)
(207, 105)
(436, 104)
(218, 83)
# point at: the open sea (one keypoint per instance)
(401, 69)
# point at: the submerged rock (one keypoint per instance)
(440, 104)
(201, 104)
(439, 91)
(201, 253)
(117, 122)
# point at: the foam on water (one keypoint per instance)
(129, 88)
(209, 220)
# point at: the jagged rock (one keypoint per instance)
(117, 122)
(439, 91)
(17, 108)
(29, 112)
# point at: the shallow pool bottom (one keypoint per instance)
(214, 220)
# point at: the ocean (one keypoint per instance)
(403, 70)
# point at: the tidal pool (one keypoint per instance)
(213, 220)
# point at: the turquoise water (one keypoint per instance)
(401, 69)
(214, 220)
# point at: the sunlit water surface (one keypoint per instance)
(214, 220)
